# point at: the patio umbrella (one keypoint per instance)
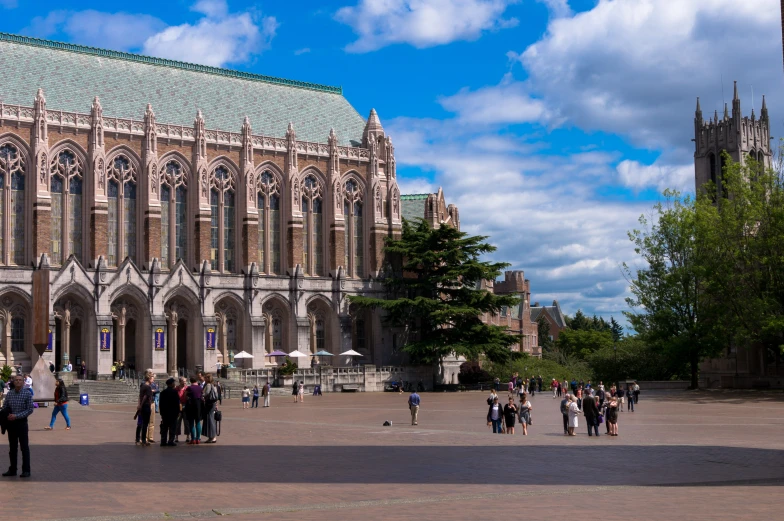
(351, 352)
(243, 354)
(298, 354)
(277, 352)
(323, 353)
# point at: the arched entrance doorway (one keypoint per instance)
(185, 348)
(323, 330)
(15, 331)
(362, 333)
(276, 330)
(130, 324)
(75, 326)
(233, 333)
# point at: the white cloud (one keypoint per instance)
(557, 8)
(422, 23)
(304, 50)
(217, 39)
(638, 176)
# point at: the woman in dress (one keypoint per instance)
(510, 415)
(246, 397)
(612, 416)
(525, 413)
(301, 391)
(573, 412)
(495, 417)
(210, 394)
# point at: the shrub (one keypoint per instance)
(472, 373)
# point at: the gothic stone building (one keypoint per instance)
(742, 138)
(186, 212)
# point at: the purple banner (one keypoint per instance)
(210, 338)
(106, 339)
(51, 341)
(160, 339)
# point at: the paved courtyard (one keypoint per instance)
(680, 456)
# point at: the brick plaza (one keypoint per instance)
(680, 456)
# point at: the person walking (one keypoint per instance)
(144, 409)
(636, 391)
(539, 383)
(495, 417)
(565, 413)
(574, 410)
(510, 415)
(493, 396)
(497, 384)
(153, 410)
(255, 403)
(219, 388)
(246, 397)
(17, 407)
(169, 407)
(60, 405)
(265, 392)
(301, 392)
(193, 410)
(413, 406)
(532, 386)
(556, 388)
(591, 413)
(525, 413)
(209, 426)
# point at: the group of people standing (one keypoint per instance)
(247, 394)
(597, 406)
(187, 408)
(502, 419)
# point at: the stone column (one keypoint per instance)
(41, 198)
(258, 342)
(7, 336)
(171, 347)
(150, 190)
(96, 188)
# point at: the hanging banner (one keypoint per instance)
(160, 341)
(51, 341)
(106, 339)
(210, 338)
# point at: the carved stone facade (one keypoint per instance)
(164, 235)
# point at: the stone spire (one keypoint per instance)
(373, 129)
(764, 111)
(726, 112)
(736, 102)
(40, 131)
(334, 157)
(247, 163)
(200, 160)
(96, 117)
(40, 143)
(698, 111)
(291, 142)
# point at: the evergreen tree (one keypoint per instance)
(435, 295)
(545, 342)
(616, 329)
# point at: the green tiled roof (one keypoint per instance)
(413, 206)
(72, 75)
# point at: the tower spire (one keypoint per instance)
(736, 102)
(698, 112)
(764, 111)
(726, 112)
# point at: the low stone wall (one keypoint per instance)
(664, 385)
(368, 378)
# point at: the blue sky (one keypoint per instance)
(552, 124)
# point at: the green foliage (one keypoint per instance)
(634, 359)
(434, 295)
(6, 372)
(616, 329)
(547, 344)
(581, 343)
(527, 366)
(288, 368)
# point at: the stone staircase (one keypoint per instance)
(103, 391)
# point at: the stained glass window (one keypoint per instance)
(75, 217)
(181, 236)
(2, 207)
(318, 238)
(17, 334)
(165, 223)
(228, 230)
(214, 229)
(129, 209)
(274, 228)
(359, 244)
(352, 211)
(347, 237)
(262, 261)
(305, 236)
(12, 172)
(276, 334)
(57, 220)
(113, 192)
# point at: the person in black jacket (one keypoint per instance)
(591, 413)
(169, 407)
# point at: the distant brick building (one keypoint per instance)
(517, 319)
(552, 315)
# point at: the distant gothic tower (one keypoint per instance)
(739, 136)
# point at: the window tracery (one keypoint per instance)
(174, 212)
(223, 219)
(269, 222)
(354, 235)
(122, 176)
(66, 175)
(12, 205)
(312, 224)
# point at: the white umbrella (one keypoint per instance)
(297, 354)
(351, 352)
(243, 354)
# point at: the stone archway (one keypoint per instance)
(233, 333)
(184, 335)
(324, 330)
(75, 326)
(276, 328)
(131, 344)
(16, 331)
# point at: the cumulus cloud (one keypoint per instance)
(637, 176)
(218, 38)
(421, 23)
(557, 8)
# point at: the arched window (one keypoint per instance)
(223, 218)
(312, 227)
(122, 210)
(712, 163)
(12, 190)
(269, 223)
(17, 334)
(67, 173)
(174, 212)
(354, 237)
(320, 335)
